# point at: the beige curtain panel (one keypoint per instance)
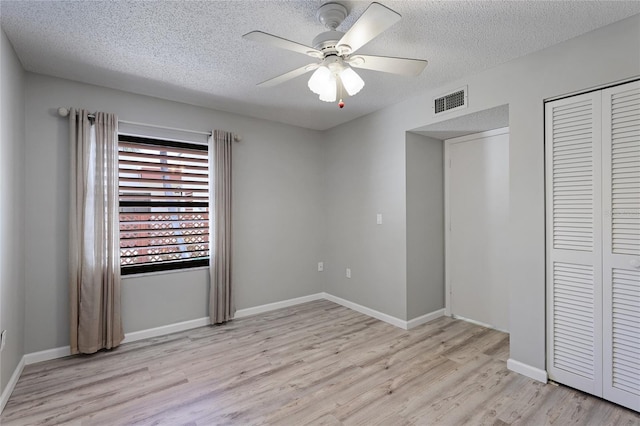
(94, 258)
(221, 307)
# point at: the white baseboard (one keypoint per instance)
(367, 311)
(165, 329)
(6, 393)
(47, 355)
(63, 351)
(481, 324)
(241, 313)
(406, 325)
(527, 370)
(423, 319)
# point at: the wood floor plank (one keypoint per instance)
(316, 363)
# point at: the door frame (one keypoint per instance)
(447, 217)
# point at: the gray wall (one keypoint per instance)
(276, 202)
(425, 225)
(12, 296)
(365, 175)
(158, 299)
(369, 173)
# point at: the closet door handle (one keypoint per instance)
(635, 263)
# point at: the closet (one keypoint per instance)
(592, 158)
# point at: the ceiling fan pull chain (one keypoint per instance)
(340, 87)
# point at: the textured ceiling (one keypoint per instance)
(193, 51)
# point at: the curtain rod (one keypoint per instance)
(63, 112)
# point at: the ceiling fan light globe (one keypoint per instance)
(319, 80)
(351, 81)
(329, 92)
(327, 98)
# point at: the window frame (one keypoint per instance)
(173, 265)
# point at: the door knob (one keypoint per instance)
(635, 263)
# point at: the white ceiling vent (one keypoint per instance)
(451, 101)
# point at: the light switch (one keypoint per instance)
(379, 218)
(320, 266)
(348, 273)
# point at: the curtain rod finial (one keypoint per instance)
(63, 112)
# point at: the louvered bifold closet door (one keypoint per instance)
(621, 245)
(574, 256)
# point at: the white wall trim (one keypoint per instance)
(423, 319)
(527, 370)
(8, 390)
(367, 311)
(446, 153)
(241, 313)
(165, 329)
(479, 135)
(405, 325)
(47, 355)
(481, 324)
(593, 89)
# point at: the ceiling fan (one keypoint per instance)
(335, 52)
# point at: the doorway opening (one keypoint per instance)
(476, 213)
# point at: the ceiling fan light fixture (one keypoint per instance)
(333, 76)
(319, 80)
(351, 81)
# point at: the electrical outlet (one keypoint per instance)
(320, 266)
(348, 273)
(3, 339)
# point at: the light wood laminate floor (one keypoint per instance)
(316, 363)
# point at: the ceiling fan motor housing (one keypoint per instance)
(331, 15)
(326, 42)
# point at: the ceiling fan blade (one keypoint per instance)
(376, 19)
(288, 75)
(402, 66)
(282, 43)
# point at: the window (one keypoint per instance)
(164, 204)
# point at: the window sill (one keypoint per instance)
(154, 273)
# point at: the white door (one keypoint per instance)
(621, 249)
(574, 248)
(477, 188)
(593, 242)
